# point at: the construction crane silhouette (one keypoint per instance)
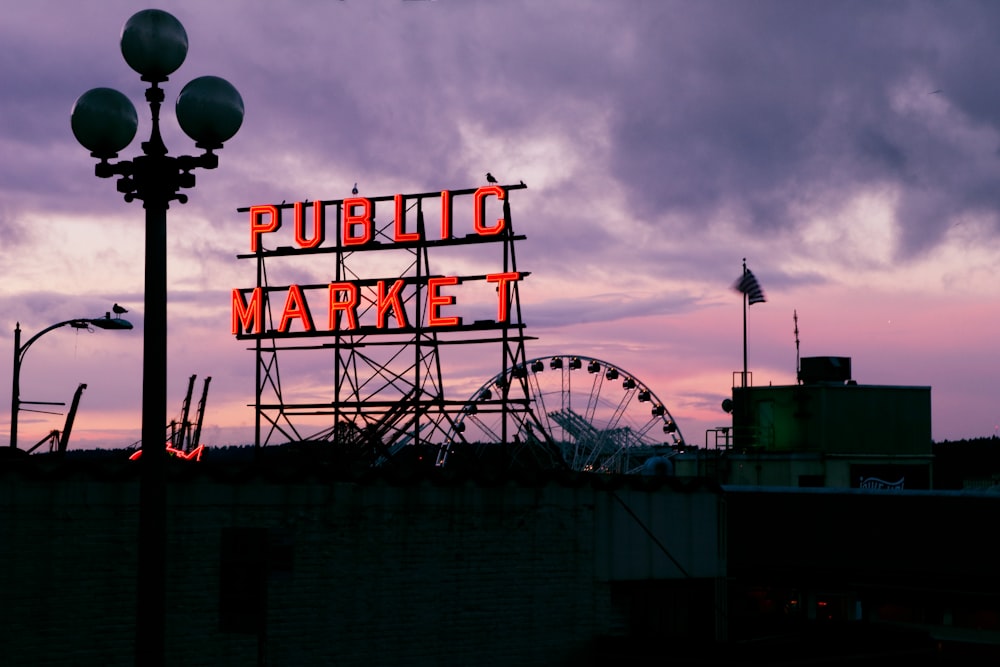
(183, 436)
(60, 441)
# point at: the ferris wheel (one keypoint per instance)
(576, 412)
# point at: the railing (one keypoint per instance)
(720, 433)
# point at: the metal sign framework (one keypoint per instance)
(387, 387)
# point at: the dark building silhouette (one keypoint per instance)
(766, 546)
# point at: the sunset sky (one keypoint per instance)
(850, 151)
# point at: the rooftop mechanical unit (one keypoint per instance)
(825, 370)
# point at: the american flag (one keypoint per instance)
(747, 284)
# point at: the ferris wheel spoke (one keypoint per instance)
(595, 394)
(538, 399)
(620, 410)
(592, 456)
(483, 426)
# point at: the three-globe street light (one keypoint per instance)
(210, 111)
(106, 322)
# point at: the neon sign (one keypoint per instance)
(193, 455)
(390, 284)
(354, 305)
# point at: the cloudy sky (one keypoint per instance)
(850, 151)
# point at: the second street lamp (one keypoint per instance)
(210, 111)
(106, 322)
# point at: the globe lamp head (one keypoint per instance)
(154, 44)
(104, 121)
(210, 111)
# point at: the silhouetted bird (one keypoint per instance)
(355, 190)
(489, 178)
(118, 309)
(522, 182)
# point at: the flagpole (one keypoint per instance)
(798, 363)
(745, 298)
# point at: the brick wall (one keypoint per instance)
(368, 571)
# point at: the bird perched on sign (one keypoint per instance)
(118, 309)
(489, 178)
(354, 190)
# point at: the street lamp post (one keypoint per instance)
(105, 322)
(210, 111)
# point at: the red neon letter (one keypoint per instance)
(250, 316)
(319, 230)
(502, 280)
(350, 307)
(390, 300)
(257, 225)
(480, 202)
(435, 301)
(351, 219)
(399, 235)
(295, 308)
(445, 214)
